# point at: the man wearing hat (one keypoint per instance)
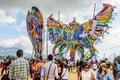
(94, 70)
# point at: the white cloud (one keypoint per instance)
(110, 44)
(21, 42)
(22, 26)
(4, 19)
(68, 8)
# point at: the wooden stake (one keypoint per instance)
(58, 16)
(94, 10)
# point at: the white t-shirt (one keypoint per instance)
(86, 75)
(94, 73)
(52, 73)
(65, 73)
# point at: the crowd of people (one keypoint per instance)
(21, 68)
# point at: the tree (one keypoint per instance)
(117, 59)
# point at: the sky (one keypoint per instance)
(13, 31)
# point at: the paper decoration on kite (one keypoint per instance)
(75, 37)
(34, 23)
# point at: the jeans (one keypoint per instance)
(117, 76)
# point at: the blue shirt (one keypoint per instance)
(0, 61)
(106, 76)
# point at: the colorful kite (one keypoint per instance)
(34, 23)
(75, 37)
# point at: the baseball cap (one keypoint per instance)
(94, 66)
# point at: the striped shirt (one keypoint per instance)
(19, 69)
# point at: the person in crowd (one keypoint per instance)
(1, 62)
(69, 65)
(117, 70)
(31, 71)
(8, 67)
(110, 70)
(50, 70)
(94, 70)
(33, 68)
(107, 62)
(37, 68)
(78, 68)
(102, 73)
(41, 68)
(64, 75)
(5, 66)
(86, 74)
(19, 69)
(0, 59)
(66, 61)
(81, 64)
(59, 65)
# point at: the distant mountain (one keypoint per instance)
(11, 52)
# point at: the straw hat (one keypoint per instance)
(103, 64)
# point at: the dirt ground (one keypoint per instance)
(71, 75)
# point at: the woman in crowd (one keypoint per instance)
(59, 65)
(86, 74)
(102, 73)
(32, 68)
(64, 75)
(6, 66)
(110, 70)
(37, 69)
